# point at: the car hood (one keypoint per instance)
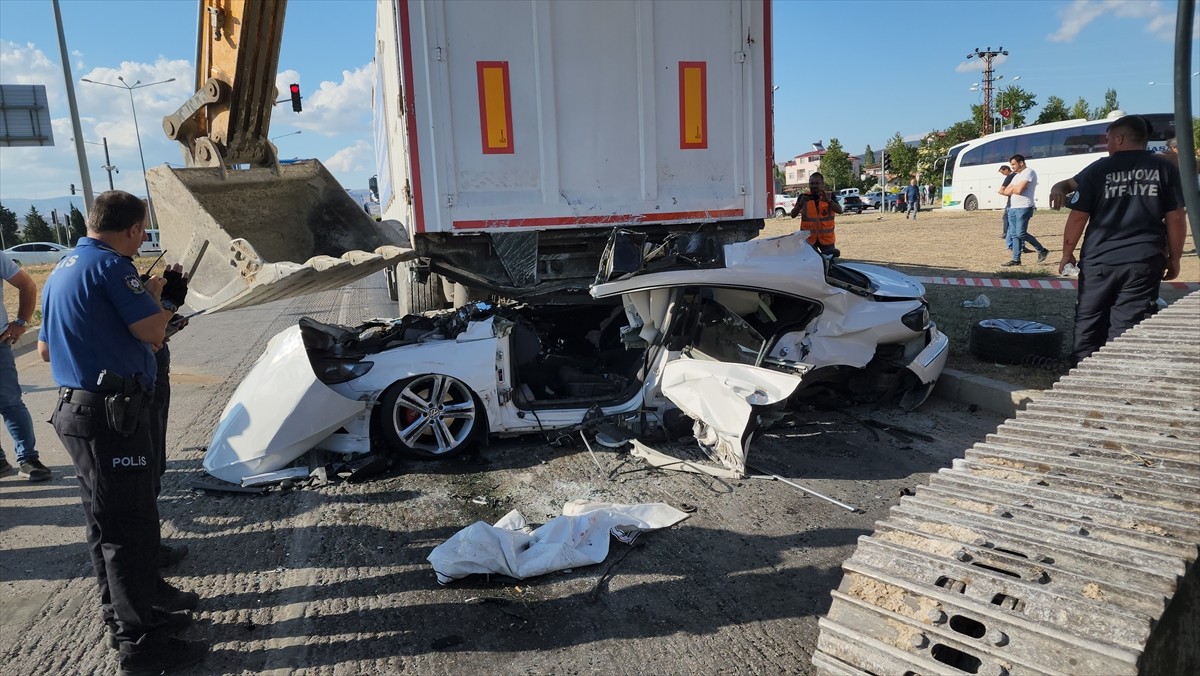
(887, 283)
(278, 412)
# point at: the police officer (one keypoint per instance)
(99, 317)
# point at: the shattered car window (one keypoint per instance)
(723, 336)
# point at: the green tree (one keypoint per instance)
(937, 145)
(1080, 109)
(903, 158)
(1054, 110)
(868, 155)
(8, 227)
(36, 228)
(835, 165)
(78, 225)
(1110, 104)
(1018, 101)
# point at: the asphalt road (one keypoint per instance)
(333, 580)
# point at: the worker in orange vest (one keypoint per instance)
(816, 209)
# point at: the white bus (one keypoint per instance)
(1055, 151)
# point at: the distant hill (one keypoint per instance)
(20, 207)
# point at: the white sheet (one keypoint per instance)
(580, 537)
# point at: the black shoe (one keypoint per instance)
(6, 468)
(176, 622)
(154, 654)
(169, 555)
(34, 470)
(1042, 255)
(1010, 264)
(171, 599)
(1026, 250)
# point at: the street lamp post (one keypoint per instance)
(137, 132)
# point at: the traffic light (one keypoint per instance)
(887, 163)
(296, 107)
(72, 188)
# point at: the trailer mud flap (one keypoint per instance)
(256, 235)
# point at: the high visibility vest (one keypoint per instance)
(817, 219)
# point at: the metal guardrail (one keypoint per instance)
(1065, 543)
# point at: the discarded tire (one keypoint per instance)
(1012, 341)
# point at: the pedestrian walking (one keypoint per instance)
(1128, 207)
(100, 326)
(1007, 172)
(12, 406)
(1020, 209)
(912, 197)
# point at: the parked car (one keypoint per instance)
(739, 327)
(851, 204)
(38, 253)
(784, 204)
(848, 191)
(874, 199)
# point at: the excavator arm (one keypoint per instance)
(226, 121)
(252, 235)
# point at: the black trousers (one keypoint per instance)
(1112, 298)
(116, 478)
(159, 406)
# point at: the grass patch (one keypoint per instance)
(1055, 307)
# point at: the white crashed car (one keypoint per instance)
(717, 333)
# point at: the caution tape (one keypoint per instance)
(995, 283)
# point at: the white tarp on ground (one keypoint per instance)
(579, 537)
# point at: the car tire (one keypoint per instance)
(431, 416)
(415, 296)
(779, 212)
(971, 203)
(1013, 341)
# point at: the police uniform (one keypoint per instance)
(89, 301)
(1126, 196)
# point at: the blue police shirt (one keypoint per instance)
(89, 301)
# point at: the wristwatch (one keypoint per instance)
(20, 322)
(169, 306)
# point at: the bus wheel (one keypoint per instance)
(971, 204)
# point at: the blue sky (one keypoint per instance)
(858, 70)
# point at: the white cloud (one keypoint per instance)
(1160, 19)
(358, 157)
(333, 107)
(975, 64)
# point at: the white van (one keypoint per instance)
(847, 191)
(150, 247)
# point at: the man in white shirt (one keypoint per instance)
(1020, 193)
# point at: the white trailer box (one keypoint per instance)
(512, 136)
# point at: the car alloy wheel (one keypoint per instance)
(430, 416)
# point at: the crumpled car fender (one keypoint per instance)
(278, 412)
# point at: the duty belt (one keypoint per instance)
(81, 397)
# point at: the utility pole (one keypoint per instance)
(80, 155)
(987, 55)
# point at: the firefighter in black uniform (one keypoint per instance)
(1131, 203)
(100, 326)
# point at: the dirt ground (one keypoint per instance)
(954, 243)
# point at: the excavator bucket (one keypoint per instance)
(251, 236)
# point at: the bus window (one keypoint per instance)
(1034, 146)
(998, 151)
(951, 159)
